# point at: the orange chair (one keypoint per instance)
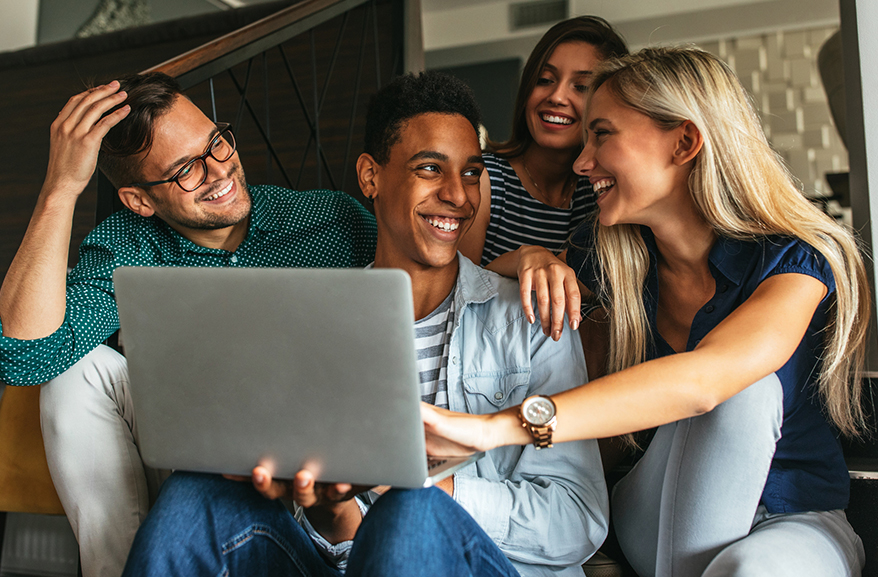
(25, 484)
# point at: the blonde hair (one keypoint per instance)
(744, 191)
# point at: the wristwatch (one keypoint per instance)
(537, 414)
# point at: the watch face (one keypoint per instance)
(538, 411)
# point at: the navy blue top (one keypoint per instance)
(808, 472)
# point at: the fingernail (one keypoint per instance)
(259, 478)
(556, 335)
(114, 84)
(574, 324)
(531, 318)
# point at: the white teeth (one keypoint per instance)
(446, 226)
(603, 184)
(556, 119)
(221, 193)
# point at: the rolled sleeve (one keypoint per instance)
(91, 317)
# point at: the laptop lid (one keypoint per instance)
(291, 368)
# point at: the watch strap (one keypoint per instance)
(543, 435)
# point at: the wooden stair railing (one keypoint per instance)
(329, 50)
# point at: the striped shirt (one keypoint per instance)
(432, 338)
(518, 219)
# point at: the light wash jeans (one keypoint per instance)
(690, 506)
(89, 431)
(211, 526)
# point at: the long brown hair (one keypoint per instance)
(591, 29)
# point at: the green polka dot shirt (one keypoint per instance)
(287, 229)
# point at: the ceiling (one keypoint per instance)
(457, 31)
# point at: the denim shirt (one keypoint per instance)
(546, 510)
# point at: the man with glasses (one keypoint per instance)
(189, 205)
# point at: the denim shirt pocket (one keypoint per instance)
(489, 393)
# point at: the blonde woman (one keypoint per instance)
(738, 317)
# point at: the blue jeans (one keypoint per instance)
(207, 525)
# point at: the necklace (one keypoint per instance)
(565, 193)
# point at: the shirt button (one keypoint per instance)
(724, 288)
(234, 259)
(697, 342)
(498, 395)
(453, 360)
(709, 308)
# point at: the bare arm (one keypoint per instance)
(540, 271)
(473, 242)
(750, 344)
(32, 298)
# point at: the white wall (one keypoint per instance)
(18, 26)
(450, 23)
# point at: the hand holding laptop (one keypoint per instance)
(304, 488)
(332, 510)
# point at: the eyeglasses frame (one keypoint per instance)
(222, 128)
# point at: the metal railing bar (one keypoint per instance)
(304, 159)
(299, 96)
(347, 152)
(332, 60)
(214, 57)
(213, 100)
(316, 105)
(267, 113)
(321, 157)
(304, 108)
(240, 114)
(377, 52)
(397, 62)
(261, 131)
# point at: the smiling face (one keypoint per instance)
(427, 193)
(221, 203)
(639, 170)
(555, 105)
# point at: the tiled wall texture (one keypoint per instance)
(780, 71)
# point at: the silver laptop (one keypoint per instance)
(290, 368)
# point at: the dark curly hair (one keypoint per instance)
(408, 96)
(150, 96)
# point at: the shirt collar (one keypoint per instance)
(262, 215)
(729, 255)
(262, 219)
(474, 283)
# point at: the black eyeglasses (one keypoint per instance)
(193, 174)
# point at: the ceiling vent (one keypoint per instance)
(539, 13)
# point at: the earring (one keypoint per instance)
(371, 199)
